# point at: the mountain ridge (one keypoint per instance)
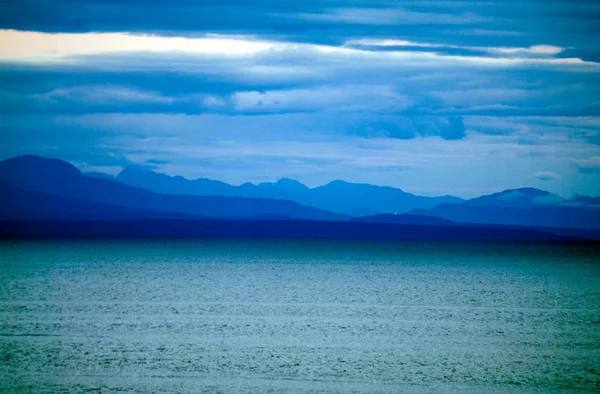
(545, 216)
(58, 178)
(336, 196)
(20, 204)
(527, 207)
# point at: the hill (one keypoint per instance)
(530, 215)
(58, 178)
(18, 204)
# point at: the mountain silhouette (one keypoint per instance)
(381, 199)
(161, 183)
(424, 220)
(268, 229)
(526, 197)
(338, 196)
(34, 187)
(586, 200)
(99, 175)
(522, 207)
(18, 204)
(58, 178)
(405, 218)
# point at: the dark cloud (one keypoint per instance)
(158, 162)
(438, 91)
(383, 127)
(455, 129)
(410, 126)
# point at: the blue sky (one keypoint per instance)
(434, 97)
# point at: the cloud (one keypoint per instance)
(471, 97)
(104, 98)
(534, 50)
(213, 101)
(455, 129)
(472, 23)
(158, 161)
(545, 176)
(547, 50)
(448, 128)
(324, 98)
(391, 16)
(101, 95)
(286, 76)
(115, 50)
(588, 166)
(405, 127)
(26, 45)
(538, 130)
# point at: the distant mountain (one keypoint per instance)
(518, 198)
(36, 187)
(528, 197)
(522, 207)
(381, 199)
(99, 175)
(161, 183)
(424, 220)
(337, 196)
(58, 178)
(262, 217)
(18, 204)
(290, 185)
(268, 229)
(586, 200)
(404, 218)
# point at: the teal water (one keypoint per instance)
(298, 316)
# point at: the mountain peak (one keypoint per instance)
(367, 186)
(36, 168)
(135, 170)
(521, 198)
(529, 191)
(39, 161)
(291, 184)
(338, 182)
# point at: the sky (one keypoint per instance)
(433, 97)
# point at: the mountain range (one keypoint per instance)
(58, 178)
(34, 188)
(338, 196)
(523, 207)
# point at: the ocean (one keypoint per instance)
(209, 315)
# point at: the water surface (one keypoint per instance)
(297, 315)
